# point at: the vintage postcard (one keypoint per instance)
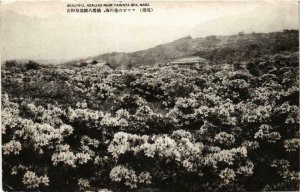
(149, 96)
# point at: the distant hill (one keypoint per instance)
(271, 20)
(232, 48)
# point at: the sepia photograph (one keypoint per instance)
(149, 96)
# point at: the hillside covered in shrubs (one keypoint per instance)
(171, 128)
(220, 49)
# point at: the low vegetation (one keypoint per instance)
(229, 127)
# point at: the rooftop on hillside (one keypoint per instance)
(189, 60)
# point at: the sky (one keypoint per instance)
(44, 30)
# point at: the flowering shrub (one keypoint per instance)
(129, 177)
(31, 180)
(12, 147)
(169, 128)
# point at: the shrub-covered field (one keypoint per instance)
(207, 128)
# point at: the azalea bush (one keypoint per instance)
(208, 128)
